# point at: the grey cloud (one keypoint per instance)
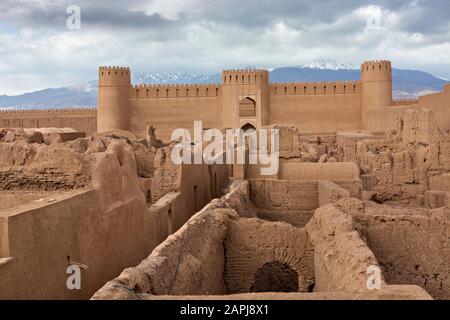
(219, 33)
(425, 16)
(53, 15)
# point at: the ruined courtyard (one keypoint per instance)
(348, 198)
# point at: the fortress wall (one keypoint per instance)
(83, 120)
(404, 102)
(316, 88)
(316, 106)
(175, 91)
(439, 103)
(167, 114)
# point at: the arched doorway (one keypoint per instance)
(275, 277)
(247, 127)
(247, 108)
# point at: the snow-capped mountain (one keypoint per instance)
(328, 64)
(176, 77)
(90, 86)
(406, 84)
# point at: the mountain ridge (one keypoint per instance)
(406, 84)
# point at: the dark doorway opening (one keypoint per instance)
(275, 277)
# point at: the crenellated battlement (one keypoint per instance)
(376, 71)
(403, 102)
(51, 111)
(113, 68)
(182, 85)
(316, 88)
(376, 62)
(175, 90)
(386, 64)
(245, 76)
(114, 76)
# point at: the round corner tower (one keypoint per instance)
(245, 96)
(113, 99)
(376, 78)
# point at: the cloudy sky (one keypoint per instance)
(38, 50)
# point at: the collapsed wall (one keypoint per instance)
(219, 253)
(412, 246)
(191, 261)
(294, 198)
(267, 257)
(411, 166)
(92, 211)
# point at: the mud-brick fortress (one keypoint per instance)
(246, 98)
(363, 182)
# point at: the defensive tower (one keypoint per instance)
(245, 98)
(376, 78)
(113, 99)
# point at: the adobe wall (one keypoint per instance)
(196, 185)
(317, 171)
(341, 256)
(170, 107)
(305, 168)
(346, 143)
(218, 252)
(393, 292)
(294, 201)
(191, 261)
(11, 199)
(412, 246)
(253, 246)
(82, 120)
(439, 103)
(408, 164)
(313, 107)
(102, 220)
(79, 228)
(330, 192)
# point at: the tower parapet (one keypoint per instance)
(113, 98)
(245, 98)
(245, 76)
(376, 78)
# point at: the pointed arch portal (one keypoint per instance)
(247, 127)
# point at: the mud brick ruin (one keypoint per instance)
(363, 182)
